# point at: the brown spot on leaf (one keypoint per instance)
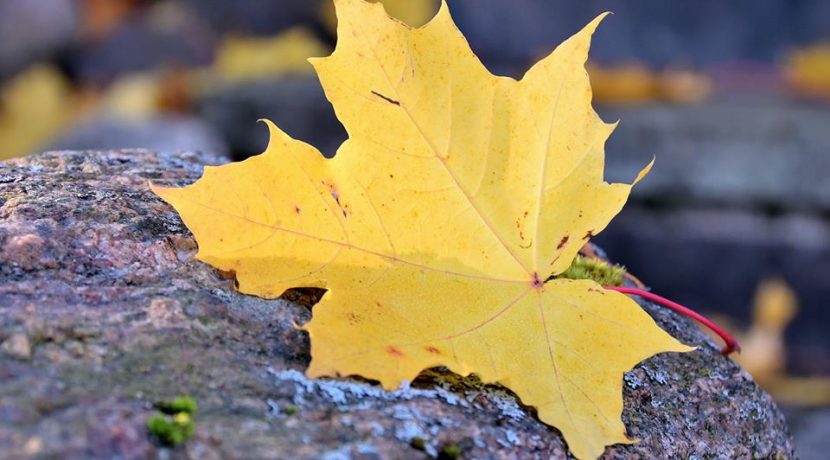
(394, 351)
(298, 210)
(562, 242)
(335, 195)
(353, 318)
(588, 235)
(432, 350)
(227, 274)
(387, 99)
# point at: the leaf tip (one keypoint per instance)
(592, 26)
(274, 133)
(644, 172)
(443, 8)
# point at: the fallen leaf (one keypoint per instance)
(636, 84)
(764, 351)
(248, 58)
(439, 227)
(133, 96)
(34, 107)
(145, 95)
(808, 70)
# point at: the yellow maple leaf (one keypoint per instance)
(440, 225)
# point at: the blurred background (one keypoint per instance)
(733, 99)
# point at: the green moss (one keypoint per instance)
(417, 443)
(290, 410)
(450, 452)
(589, 268)
(171, 430)
(176, 424)
(184, 404)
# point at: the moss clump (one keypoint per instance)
(417, 443)
(171, 430)
(450, 452)
(175, 425)
(184, 404)
(290, 410)
(590, 268)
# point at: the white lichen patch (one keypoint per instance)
(348, 393)
(506, 403)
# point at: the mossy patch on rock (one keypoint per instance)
(184, 404)
(591, 268)
(176, 424)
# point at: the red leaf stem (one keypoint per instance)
(731, 344)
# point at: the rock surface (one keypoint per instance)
(97, 277)
(163, 133)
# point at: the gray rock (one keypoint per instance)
(17, 346)
(297, 104)
(810, 428)
(164, 34)
(254, 16)
(98, 272)
(167, 133)
(745, 152)
(30, 31)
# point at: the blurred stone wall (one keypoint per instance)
(739, 193)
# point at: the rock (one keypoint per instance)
(164, 34)
(121, 316)
(17, 346)
(56, 23)
(246, 17)
(810, 428)
(165, 133)
(733, 151)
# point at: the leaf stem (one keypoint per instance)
(731, 344)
